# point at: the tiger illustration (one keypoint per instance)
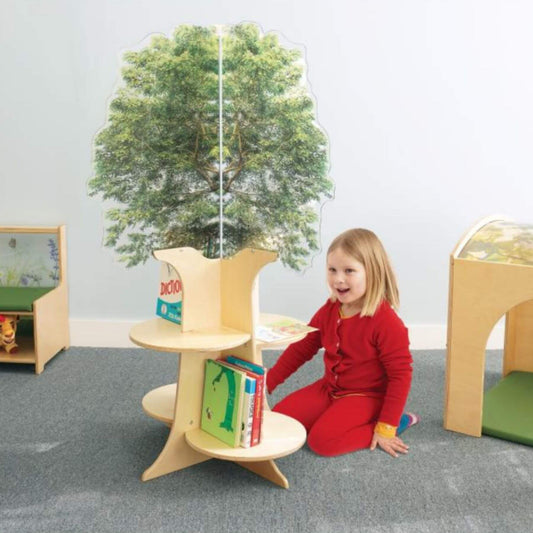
(8, 328)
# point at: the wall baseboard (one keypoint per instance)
(115, 334)
(433, 337)
(101, 333)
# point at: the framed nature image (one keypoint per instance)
(212, 142)
(29, 260)
(501, 241)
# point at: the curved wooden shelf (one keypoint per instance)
(159, 403)
(281, 435)
(165, 336)
(269, 318)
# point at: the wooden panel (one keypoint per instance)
(200, 278)
(480, 293)
(29, 229)
(177, 454)
(518, 351)
(62, 250)
(163, 335)
(239, 288)
(268, 470)
(50, 325)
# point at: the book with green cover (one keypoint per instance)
(222, 402)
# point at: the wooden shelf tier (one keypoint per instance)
(159, 403)
(280, 436)
(25, 354)
(165, 336)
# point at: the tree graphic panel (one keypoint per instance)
(158, 157)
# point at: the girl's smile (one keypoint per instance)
(347, 281)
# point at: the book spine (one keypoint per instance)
(239, 400)
(258, 411)
(260, 375)
(252, 367)
(248, 412)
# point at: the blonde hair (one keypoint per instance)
(364, 246)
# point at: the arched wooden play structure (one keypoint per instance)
(491, 275)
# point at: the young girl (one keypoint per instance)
(359, 401)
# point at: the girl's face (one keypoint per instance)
(346, 280)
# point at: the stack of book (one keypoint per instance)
(232, 408)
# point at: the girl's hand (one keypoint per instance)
(392, 445)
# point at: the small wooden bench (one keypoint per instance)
(33, 285)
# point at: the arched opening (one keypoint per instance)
(494, 350)
(508, 383)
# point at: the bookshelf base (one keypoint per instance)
(267, 470)
(188, 445)
(281, 436)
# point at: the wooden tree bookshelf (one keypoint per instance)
(219, 312)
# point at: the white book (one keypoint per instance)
(248, 406)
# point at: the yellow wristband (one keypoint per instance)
(385, 430)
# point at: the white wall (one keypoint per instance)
(428, 106)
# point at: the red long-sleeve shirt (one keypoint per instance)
(362, 355)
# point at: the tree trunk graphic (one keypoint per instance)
(230, 403)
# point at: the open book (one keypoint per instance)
(281, 329)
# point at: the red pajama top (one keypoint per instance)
(362, 355)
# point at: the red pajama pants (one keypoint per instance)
(334, 425)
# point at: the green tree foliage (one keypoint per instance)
(158, 156)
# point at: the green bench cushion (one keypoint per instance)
(20, 298)
(508, 409)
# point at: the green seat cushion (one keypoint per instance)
(20, 298)
(508, 409)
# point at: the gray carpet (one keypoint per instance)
(74, 442)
